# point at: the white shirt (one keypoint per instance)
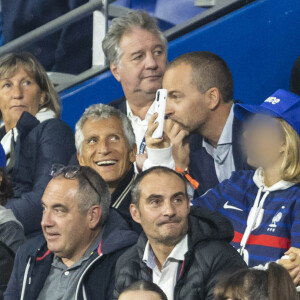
(222, 155)
(166, 278)
(139, 126)
(156, 157)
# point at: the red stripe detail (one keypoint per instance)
(42, 257)
(181, 270)
(264, 240)
(99, 248)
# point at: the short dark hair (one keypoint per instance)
(274, 283)
(92, 189)
(208, 71)
(144, 285)
(135, 189)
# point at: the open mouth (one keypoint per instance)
(106, 163)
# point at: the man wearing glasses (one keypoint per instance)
(82, 240)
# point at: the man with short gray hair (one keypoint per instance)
(137, 52)
(105, 141)
(83, 238)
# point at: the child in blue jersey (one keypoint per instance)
(264, 205)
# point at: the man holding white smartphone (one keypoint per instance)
(205, 135)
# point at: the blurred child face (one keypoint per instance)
(137, 295)
(264, 142)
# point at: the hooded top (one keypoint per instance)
(33, 263)
(265, 219)
(209, 256)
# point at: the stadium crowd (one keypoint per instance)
(211, 210)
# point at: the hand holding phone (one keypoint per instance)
(160, 109)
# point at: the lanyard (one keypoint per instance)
(142, 146)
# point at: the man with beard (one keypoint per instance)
(183, 250)
(205, 135)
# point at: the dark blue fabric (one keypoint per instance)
(202, 166)
(98, 281)
(119, 104)
(39, 145)
(67, 50)
(1, 31)
(2, 158)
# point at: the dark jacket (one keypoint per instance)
(33, 261)
(39, 145)
(209, 256)
(119, 104)
(202, 166)
(67, 50)
(6, 266)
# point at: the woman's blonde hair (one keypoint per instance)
(290, 169)
(9, 66)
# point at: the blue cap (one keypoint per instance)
(281, 104)
(2, 157)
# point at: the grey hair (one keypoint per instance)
(124, 24)
(89, 182)
(99, 112)
(92, 190)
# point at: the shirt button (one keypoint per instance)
(67, 273)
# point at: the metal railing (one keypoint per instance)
(102, 10)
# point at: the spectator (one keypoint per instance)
(83, 241)
(11, 230)
(271, 284)
(67, 50)
(200, 105)
(145, 290)
(32, 135)
(105, 142)
(264, 205)
(295, 77)
(137, 52)
(184, 252)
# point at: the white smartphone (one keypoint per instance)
(160, 108)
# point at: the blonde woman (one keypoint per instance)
(32, 134)
(264, 205)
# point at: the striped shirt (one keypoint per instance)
(279, 228)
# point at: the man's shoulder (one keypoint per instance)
(119, 104)
(128, 258)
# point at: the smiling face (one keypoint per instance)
(186, 105)
(142, 64)
(67, 230)
(19, 93)
(163, 208)
(106, 150)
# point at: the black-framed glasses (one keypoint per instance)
(71, 172)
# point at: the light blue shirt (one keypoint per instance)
(222, 155)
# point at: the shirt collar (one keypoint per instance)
(226, 135)
(149, 113)
(177, 253)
